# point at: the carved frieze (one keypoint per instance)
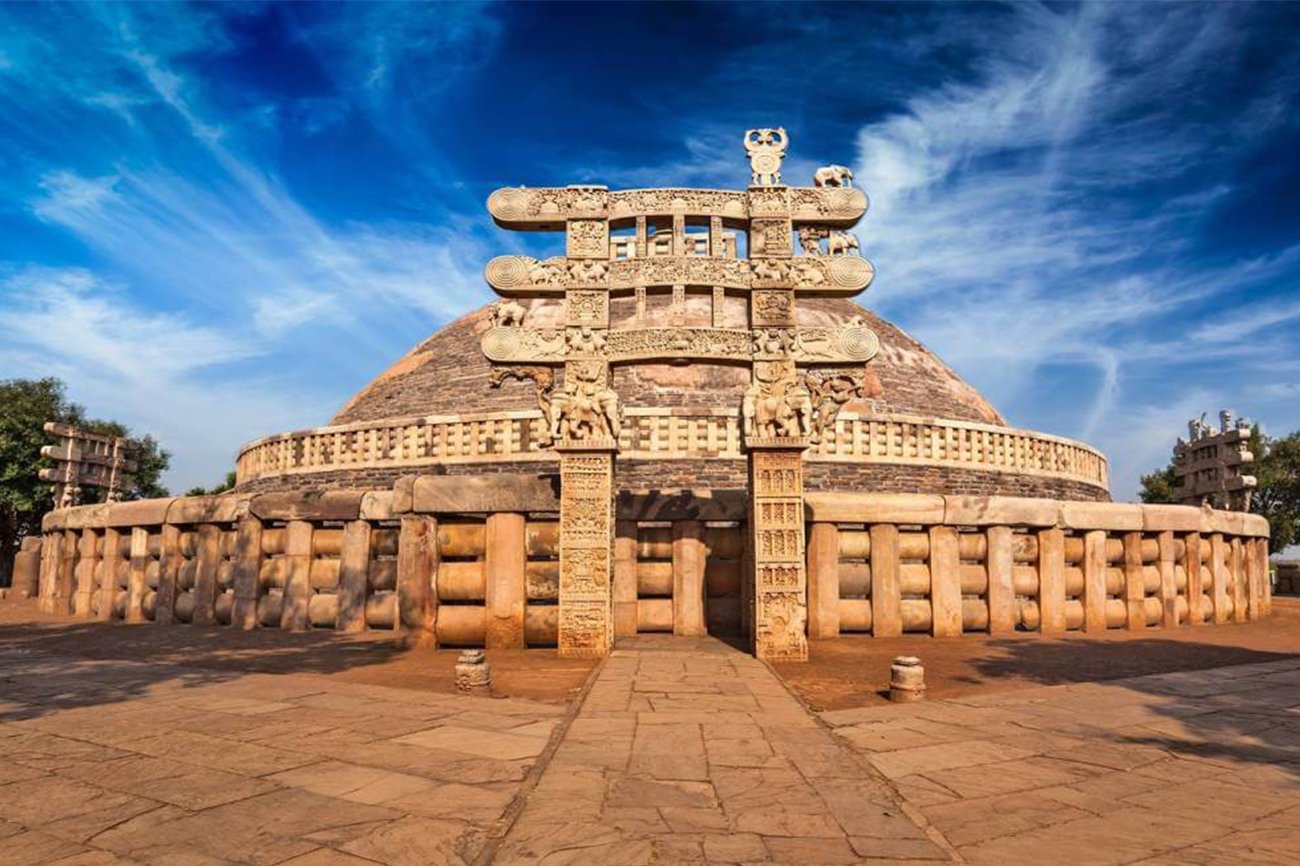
(587, 239)
(837, 206)
(586, 307)
(851, 343)
(521, 275)
(772, 307)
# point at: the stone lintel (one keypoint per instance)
(482, 494)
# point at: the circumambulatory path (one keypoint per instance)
(686, 750)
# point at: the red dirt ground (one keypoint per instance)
(369, 658)
(854, 671)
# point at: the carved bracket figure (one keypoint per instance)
(830, 394)
(810, 239)
(543, 379)
(586, 408)
(777, 404)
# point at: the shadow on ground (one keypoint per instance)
(54, 663)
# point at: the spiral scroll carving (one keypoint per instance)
(851, 272)
(508, 204)
(857, 343)
(507, 272)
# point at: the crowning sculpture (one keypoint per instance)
(779, 414)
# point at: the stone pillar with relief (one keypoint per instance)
(586, 546)
(776, 529)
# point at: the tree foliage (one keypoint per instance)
(25, 406)
(225, 485)
(1277, 492)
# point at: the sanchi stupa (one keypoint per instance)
(682, 422)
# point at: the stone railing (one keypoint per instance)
(666, 434)
(947, 565)
(472, 561)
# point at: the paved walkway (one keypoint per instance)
(107, 763)
(1199, 768)
(688, 751)
(680, 751)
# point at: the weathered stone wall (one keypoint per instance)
(729, 475)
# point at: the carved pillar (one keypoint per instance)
(719, 305)
(776, 532)
(715, 237)
(640, 239)
(586, 546)
(679, 235)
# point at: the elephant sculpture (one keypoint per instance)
(840, 243)
(833, 175)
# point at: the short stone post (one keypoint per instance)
(169, 563)
(136, 585)
(248, 572)
(1000, 562)
(473, 676)
(824, 580)
(417, 569)
(506, 564)
(27, 568)
(688, 578)
(945, 582)
(906, 679)
(354, 576)
(776, 530)
(586, 547)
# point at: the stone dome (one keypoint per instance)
(917, 428)
(448, 373)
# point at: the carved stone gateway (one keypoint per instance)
(625, 242)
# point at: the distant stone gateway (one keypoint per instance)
(683, 423)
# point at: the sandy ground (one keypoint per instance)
(854, 671)
(373, 658)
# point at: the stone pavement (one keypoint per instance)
(130, 762)
(1198, 768)
(681, 750)
(687, 751)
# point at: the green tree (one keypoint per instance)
(227, 484)
(25, 406)
(1277, 492)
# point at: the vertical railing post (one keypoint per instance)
(824, 580)
(248, 572)
(688, 578)
(1134, 585)
(1094, 580)
(999, 560)
(135, 583)
(417, 570)
(1168, 580)
(295, 615)
(354, 576)
(886, 590)
(506, 564)
(945, 582)
(1051, 582)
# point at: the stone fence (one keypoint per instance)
(948, 565)
(666, 434)
(473, 561)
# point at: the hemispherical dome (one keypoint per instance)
(448, 373)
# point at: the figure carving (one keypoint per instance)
(588, 271)
(830, 394)
(776, 403)
(766, 149)
(545, 274)
(810, 239)
(586, 341)
(769, 269)
(508, 313)
(773, 341)
(586, 409)
(543, 379)
(833, 175)
(841, 243)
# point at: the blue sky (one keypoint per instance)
(220, 221)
